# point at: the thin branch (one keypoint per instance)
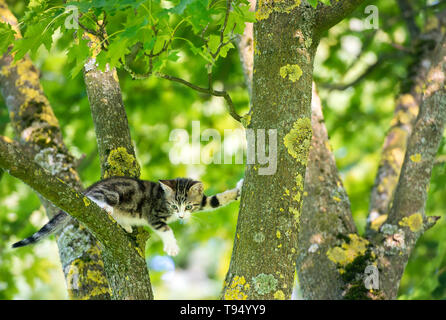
(330, 15)
(222, 31)
(381, 60)
(209, 90)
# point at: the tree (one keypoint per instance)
(304, 221)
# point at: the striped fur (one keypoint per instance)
(133, 202)
(54, 225)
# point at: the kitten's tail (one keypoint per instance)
(55, 224)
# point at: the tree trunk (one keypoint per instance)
(265, 248)
(117, 159)
(37, 129)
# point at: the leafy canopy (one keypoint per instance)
(130, 33)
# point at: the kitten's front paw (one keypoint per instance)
(171, 248)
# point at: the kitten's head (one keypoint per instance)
(183, 196)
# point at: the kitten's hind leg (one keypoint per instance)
(110, 210)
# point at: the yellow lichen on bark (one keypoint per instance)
(292, 71)
(121, 163)
(298, 140)
(266, 7)
(415, 157)
(279, 295)
(7, 17)
(348, 252)
(414, 222)
(378, 222)
(235, 290)
(88, 275)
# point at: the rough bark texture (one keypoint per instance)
(121, 256)
(118, 158)
(326, 216)
(38, 130)
(405, 114)
(265, 248)
(325, 202)
(111, 125)
(407, 217)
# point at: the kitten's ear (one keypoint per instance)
(196, 189)
(168, 186)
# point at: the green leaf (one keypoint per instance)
(214, 42)
(313, 3)
(39, 31)
(224, 50)
(179, 8)
(78, 54)
(173, 55)
(6, 37)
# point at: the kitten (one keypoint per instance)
(133, 202)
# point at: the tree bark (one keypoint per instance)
(121, 256)
(405, 115)
(326, 216)
(118, 158)
(407, 218)
(38, 130)
(265, 247)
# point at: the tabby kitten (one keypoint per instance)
(133, 202)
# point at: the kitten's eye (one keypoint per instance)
(188, 207)
(174, 207)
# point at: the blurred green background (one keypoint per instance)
(357, 119)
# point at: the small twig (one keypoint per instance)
(93, 32)
(364, 75)
(209, 90)
(222, 31)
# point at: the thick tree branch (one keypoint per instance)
(407, 220)
(117, 250)
(325, 208)
(265, 246)
(405, 114)
(118, 158)
(38, 130)
(326, 215)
